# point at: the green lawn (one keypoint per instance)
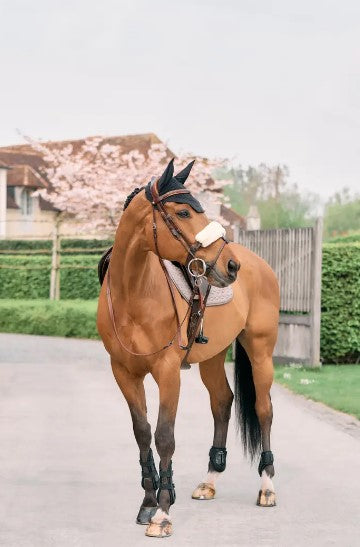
(337, 386)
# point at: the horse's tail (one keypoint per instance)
(246, 418)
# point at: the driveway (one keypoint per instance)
(69, 463)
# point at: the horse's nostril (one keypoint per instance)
(233, 267)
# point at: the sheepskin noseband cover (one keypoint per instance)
(210, 233)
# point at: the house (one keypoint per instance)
(23, 215)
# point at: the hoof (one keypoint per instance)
(266, 498)
(145, 514)
(204, 491)
(161, 529)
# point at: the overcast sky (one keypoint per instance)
(265, 81)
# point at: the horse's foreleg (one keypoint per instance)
(221, 397)
(132, 388)
(168, 380)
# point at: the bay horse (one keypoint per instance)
(143, 322)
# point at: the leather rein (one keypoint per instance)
(197, 302)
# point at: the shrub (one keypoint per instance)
(340, 318)
(76, 319)
(29, 277)
(87, 246)
(349, 238)
(25, 244)
(340, 303)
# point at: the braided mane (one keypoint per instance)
(131, 196)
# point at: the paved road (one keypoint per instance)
(70, 476)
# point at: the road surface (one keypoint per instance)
(70, 474)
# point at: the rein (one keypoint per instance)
(197, 302)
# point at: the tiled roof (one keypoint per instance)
(24, 155)
(20, 154)
(3, 165)
(232, 216)
(24, 175)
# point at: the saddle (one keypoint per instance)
(182, 281)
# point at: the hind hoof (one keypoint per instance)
(204, 491)
(266, 498)
(145, 514)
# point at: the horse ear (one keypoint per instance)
(183, 175)
(167, 175)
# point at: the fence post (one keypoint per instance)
(55, 264)
(316, 293)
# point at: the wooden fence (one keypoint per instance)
(295, 256)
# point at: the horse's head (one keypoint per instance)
(178, 229)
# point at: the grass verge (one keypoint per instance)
(337, 386)
(70, 318)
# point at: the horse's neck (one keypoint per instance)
(128, 268)
(137, 286)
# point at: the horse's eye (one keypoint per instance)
(184, 213)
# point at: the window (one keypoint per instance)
(10, 190)
(26, 202)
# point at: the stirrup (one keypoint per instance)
(148, 471)
(166, 483)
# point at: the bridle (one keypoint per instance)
(197, 302)
(176, 232)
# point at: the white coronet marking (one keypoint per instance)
(211, 477)
(266, 482)
(211, 233)
(160, 516)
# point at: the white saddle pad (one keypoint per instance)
(217, 296)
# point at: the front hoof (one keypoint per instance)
(266, 498)
(204, 491)
(145, 514)
(159, 529)
(160, 525)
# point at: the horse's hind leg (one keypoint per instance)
(221, 397)
(132, 388)
(259, 352)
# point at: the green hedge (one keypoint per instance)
(340, 303)
(76, 319)
(32, 278)
(340, 319)
(88, 246)
(350, 238)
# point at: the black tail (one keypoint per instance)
(247, 420)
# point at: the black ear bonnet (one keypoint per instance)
(169, 182)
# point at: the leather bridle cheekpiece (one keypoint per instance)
(197, 302)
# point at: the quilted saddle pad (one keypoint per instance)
(217, 296)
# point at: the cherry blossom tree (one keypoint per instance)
(90, 184)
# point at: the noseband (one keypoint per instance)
(196, 267)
